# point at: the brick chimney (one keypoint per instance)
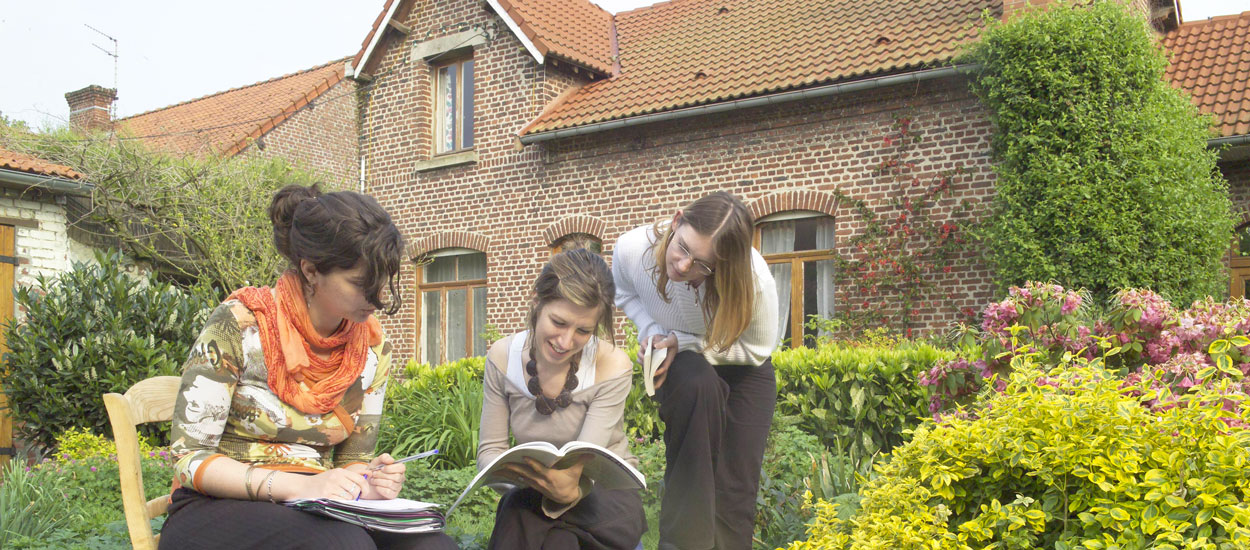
(89, 108)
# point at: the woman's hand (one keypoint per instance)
(339, 483)
(560, 486)
(661, 341)
(385, 477)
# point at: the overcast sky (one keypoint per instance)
(173, 50)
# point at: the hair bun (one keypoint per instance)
(282, 213)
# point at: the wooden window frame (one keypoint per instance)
(440, 107)
(796, 260)
(1238, 265)
(443, 287)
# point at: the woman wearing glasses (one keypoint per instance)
(695, 285)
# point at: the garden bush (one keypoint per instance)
(1064, 457)
(1137, 333)
(435, 408)
(1104, 178)
(92, 330)
(856, 398)
(795, 462)
(32, 506)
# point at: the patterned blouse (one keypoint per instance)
(225, 407)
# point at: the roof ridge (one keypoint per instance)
(244, 87)
(287, 112)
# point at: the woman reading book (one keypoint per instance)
(561, 380)
(694, 286)
(282, 394)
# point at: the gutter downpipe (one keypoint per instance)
(53, 184)
(738, 104)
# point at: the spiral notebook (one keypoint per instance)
(397, 515)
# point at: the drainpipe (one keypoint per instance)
(774, 99)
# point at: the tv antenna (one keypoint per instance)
(112, 54)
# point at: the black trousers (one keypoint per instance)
(603, 520)
(198, 521)
(716, 421)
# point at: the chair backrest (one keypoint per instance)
(150, 400)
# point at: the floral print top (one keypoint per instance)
(225, 407)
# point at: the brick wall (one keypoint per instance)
(323, 138)
(512, 201)
(1238, 175)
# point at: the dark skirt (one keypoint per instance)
(200, 521)
(604, 520)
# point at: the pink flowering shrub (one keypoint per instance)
(1160, 352)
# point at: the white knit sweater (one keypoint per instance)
(633, 264)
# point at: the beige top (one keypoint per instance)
(597, 414)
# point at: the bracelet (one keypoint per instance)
(269, 486)
(247, 482)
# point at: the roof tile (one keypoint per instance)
(226, 122)
(1211, 60)
(575, 30)
(692, 52)
(12, 160)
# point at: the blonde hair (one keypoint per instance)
(581, 277)
(723, 218)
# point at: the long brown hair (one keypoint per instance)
(723, 218)
(581, 277)
(336, 231)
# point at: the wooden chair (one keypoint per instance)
(150, 400)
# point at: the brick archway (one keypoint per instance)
(574, 224)
(783, 201)
(449, 239)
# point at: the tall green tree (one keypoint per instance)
(1104, 177)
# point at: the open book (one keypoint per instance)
(652, 358)
(607, 470)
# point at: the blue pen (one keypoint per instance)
(403, 460)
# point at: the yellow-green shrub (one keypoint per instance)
(1064, 458)
(81, 443)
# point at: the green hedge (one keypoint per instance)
(856, 399)
(1104, 178)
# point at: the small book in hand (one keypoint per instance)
(652, 358)
(604, 468)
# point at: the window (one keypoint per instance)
(453, 306)
(577, 240)
(1239, 265)
(453, 98)
(798, 247)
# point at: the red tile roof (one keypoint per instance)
(11, 160)
(1211, 60)
(574, 30)
(691, 52)
(229, 121)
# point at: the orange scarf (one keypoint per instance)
(298, 375)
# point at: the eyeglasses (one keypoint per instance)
(700, 267)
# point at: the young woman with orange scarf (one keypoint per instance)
(282, 395)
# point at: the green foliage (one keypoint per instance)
(795, 464)
(1065, 457)
(198, 217)
(80, 444)
(474, 519)
(642, 413)
(31, 505)
(436, 408)
(90, 331)
(1104, 178)
(856, 398)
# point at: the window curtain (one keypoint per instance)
(448, 92)
(824, 271)
(775, 238)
